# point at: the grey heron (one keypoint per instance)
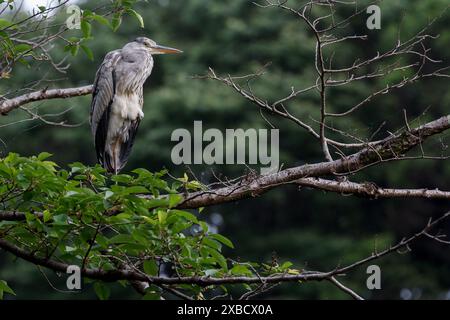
(117, 100)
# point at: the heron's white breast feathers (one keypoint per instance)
(127, 107)
(124, 110)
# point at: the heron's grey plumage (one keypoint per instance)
(116, 108)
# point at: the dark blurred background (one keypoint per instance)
(313, 229)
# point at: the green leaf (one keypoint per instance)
(102, 291)
(151, 296)
(87, 14)
(47, 215)
(121, 238)
(162, 216)
(211, 243)
(154, 203)
(123, 178)
(4, 35)
(4, 23)
(136, 189)
(204, 226)
(137, 16)
(150, 267)
(5, 288)
(60, 219)
(240, 269)
(101, 20)
(220, 259)
(128, 3)
(43, 155)
(116, 21)
(211, 272)
(187, 215)
(86, 28)
(222, 239)
(108, 194)
(74, 50)
(194, 185)
(23, 47)
(88, 52)
(184, 179)
(174, 200)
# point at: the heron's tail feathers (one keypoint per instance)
(116, 160)
(113, 162)
(113, 156)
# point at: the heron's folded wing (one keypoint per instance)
(102, 97)
(104, 88)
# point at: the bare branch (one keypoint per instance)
(10, 104)
(345, 289)
(371, 190)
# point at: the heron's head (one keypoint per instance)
(155, 48)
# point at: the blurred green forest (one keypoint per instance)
(308, 227)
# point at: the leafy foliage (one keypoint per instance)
(14, 49)
(4, 288)
(83, 217)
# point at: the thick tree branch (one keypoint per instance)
(391, 148)
(364, 189)
(10, 104)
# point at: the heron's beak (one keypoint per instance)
(164, 50)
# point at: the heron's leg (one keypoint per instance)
(115, 157)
